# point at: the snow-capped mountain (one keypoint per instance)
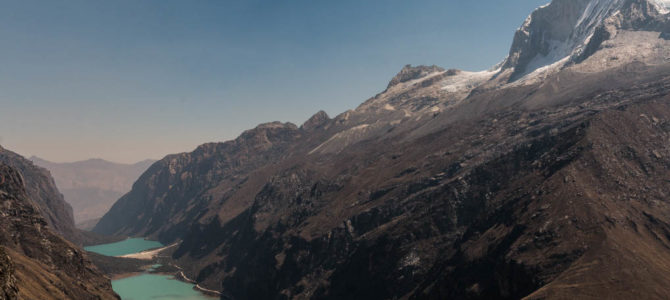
(544, 177)
(585, 36)
(569, 31)
(555, 31)
(665, 4)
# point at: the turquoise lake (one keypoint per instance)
(146, 286)
(155, 287)
(128, 246)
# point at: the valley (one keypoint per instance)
(544, 176)
(138, 272)
(505, 184)
(92, 186)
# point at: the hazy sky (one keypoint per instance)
(127, 80)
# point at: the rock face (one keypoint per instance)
(553, 32)
(8, 289)
(92, 186)
(35, 262)
(42, 190)
(568, 31)
(411, 73)
(447, 185)
(317, 121)
(148, 207)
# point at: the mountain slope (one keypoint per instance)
(42, 190)
(565, 32)
(526, 180)
(36, 263)
(92, 186)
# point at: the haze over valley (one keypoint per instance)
(92, 186)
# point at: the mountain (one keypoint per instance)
(35, 263)
(41, 189)
(566, 32)
(92, 186)
(544, 177)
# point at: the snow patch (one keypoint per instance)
(466, 81)
(562, 38)
(345, 137)
(419, 80)
(662, 5)
(559, 51)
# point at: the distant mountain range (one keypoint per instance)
(545, 177)
(92, 186)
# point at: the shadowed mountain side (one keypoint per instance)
(41, 189)
(36, 263)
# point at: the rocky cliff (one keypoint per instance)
(544, 183)
(36, 263)
(8, 289)
(568, 31)
(42, 190)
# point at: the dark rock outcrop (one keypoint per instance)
(192, 180)
(317, 121)
(8, 289)
(39, 263)
(410, 73)
(41, 189)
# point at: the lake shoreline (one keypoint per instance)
(176, 276)
(125, 275)
(124, 247)
(144, 262)
(150, 254)
(182, 277)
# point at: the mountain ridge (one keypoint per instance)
(448, 184)
(569, 30)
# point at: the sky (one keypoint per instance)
(128, 80)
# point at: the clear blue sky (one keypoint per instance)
(126, 80)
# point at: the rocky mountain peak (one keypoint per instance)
(267, 134)
(562, 30)
(664, 5)
(642, 15)
(411, 73)
(268, 128)
(316, 121)
(552, 32)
